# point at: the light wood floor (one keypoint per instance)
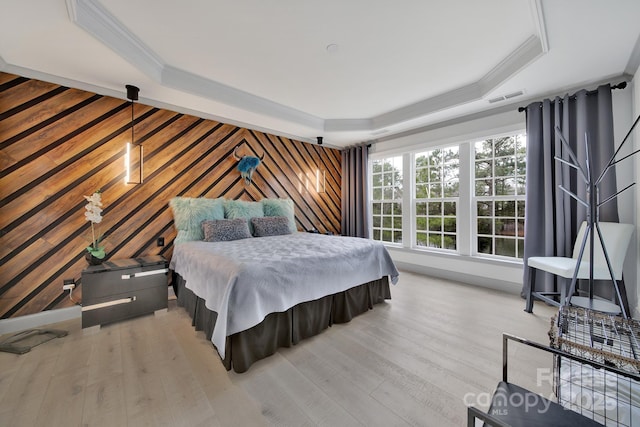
(415, 360)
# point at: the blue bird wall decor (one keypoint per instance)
(247, 165)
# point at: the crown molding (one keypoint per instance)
(634, 59)
(91, 16)
(538, 20)
(500, 110)
(207, 88)
(427, 106)
(527, 52)
(71, 10)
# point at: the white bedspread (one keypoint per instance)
(244, 280)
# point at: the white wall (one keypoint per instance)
(635, 88)
(625, 175)
(507, 276)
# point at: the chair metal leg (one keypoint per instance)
(620, 294)
(532, 281)
(565, 297)
(533, 295)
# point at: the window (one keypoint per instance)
(386, 203)
(500, 166)
(467, 198)
(436, 198)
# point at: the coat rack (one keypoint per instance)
(593, 203)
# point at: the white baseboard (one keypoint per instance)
(456, 276)
(37, 320)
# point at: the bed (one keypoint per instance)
(254, 295)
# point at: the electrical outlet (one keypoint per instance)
(68, 284)
(160, 241)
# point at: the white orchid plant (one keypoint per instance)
(93, 213)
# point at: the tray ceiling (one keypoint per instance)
(348, 71)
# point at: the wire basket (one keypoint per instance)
(606, 397)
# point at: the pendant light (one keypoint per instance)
(133, 151)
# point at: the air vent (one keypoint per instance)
(513, 95)
(505, 97)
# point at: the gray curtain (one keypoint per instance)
(552, 217)
(355, 203)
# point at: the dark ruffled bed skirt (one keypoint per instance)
(283, 329)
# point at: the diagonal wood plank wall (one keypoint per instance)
(58, 144)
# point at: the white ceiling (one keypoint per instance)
(395, 67)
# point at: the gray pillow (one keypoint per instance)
(224, 230)
(270, 226)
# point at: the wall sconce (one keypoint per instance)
(320, 181)
(133, 152)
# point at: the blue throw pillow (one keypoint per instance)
(189, 212)
(234, 209)
(281, 207)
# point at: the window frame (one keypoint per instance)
(466, 209)
(442, 199)
(516, 198)
(392, 201)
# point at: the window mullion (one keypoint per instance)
(408, 214)
(466, 232)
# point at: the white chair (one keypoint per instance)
(616, 239)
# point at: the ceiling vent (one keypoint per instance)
(506, 97)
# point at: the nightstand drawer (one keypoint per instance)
(124, 306)
(107, 283)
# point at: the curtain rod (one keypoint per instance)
(620, 85)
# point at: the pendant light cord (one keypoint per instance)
(133, 139)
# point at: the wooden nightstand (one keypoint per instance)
(123, 288)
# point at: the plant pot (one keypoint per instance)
(92, 260)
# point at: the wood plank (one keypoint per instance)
(276, 402)
(334, 383)
(331, 196)
(229, 401)
(104, 403)
(49, 135)
(7, 77)
(143, 366)
(293, 182)
(21, 405)
(24, 92)
(64, 391)
(41, 112)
